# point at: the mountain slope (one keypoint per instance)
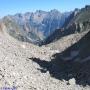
(79, 52)
(19, 71)
(78, 21)
(66, 41)
(71, 64)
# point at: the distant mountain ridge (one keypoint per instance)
(43, 27)
(34, 27)
(78, 21)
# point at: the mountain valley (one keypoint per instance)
(45, 50)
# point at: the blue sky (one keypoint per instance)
(22, 6)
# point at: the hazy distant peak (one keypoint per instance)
(34, 26)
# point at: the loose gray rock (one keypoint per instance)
(72, 81)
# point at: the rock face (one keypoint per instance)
(78, 21)
(81, 48)
(34, 27)
(43, 27)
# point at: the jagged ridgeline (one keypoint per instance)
(34, 27)
(43, 27)
(78, 21)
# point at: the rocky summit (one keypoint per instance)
(34, 26)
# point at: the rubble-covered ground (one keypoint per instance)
(17, 69)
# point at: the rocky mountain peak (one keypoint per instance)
(34, 26)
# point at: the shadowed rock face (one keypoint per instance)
(74, 62)
(42, 72)
(78, 21)
(34, 27)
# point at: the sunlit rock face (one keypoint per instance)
(34, 27)
(77, 22)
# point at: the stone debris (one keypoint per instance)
(18, 70)
(72, 81)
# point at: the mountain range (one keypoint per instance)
(77, 22)
(43, 27)
(34, 26)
